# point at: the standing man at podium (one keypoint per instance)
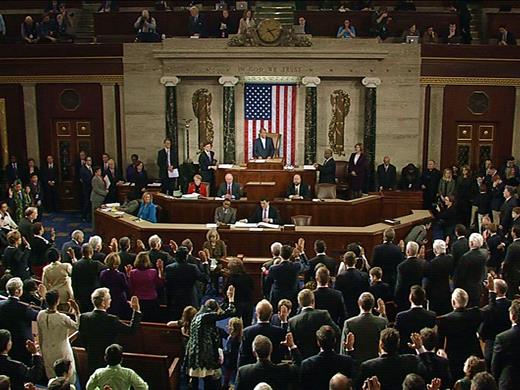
(263, 146)
(207, 164)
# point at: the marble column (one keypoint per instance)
(228, 125)
(311, 118)
(369, 133)
(436, 115)
(109, 119)
(31, 122)
(172, 129)
(516, 126)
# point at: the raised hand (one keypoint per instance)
(42, 290)
(372, 384)
(160, 265)
(31, 346)
(203, 256)
(173, 246)
(289, 340)
(301, 244)
(139, 246)
(231, 293)
(350, 340)
(490, 283)
(128, 268)
(283, 313)
(113, 245)
(134, 303)
(74, 306)
(381, 306)
(417, 342)
(53, 234)
(435, 384)
(71, 254)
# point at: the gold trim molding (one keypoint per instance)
(496, 81)
(63, 79)
(3, 131)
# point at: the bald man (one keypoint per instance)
(386, 176)
(229, 189)
(340, 382)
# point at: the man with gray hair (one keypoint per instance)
(278, 376)
(276, 250)
(458, 331)
(437, 279)
(76, 239)
(263, 386)
(98, 329)
(409, 273)
(156, 252)
(471, 269)
(17, 317)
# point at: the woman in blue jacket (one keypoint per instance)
(148, 210)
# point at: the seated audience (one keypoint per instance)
(146, 27)
(7, 222)
(131, 169)
(305, 29)
(64, 24)
(2, 29)
(39, 247)
(405, 5)
(453, 35)
(109, 6)
(225, 214)
(225, 24)
(430, 36)
(214, 246)
(114, 375)
(229, 189)
(148, 209)
(196, 24)
(47, 30)
(29, 31)
(346, 31)
(505, 37)
(198, 187)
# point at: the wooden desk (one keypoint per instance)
(358, 212)
(282, 177)
(256, 190)
(123, 190)
(266, 164)
(255, 243)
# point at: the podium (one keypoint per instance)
(271, 164)
(258, 190)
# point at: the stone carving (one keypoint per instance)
(340, 104)
(201, 102)
(288, 38)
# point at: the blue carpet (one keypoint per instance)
(64, 223)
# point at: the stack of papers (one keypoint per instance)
(309, 167)
(191, 196)
(241, 225)
(260, 225)
(225, 166)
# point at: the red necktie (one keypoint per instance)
(265, 214)
(229, 189)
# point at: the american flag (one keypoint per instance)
(272, 107)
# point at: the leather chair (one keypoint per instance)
(342, 185)
(159, 213)
(276, 142)
(301, 220)
(208, 187)
(326, 191)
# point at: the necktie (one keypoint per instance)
(265, 214)
(229, 189)
(297, 190)
(50, 166)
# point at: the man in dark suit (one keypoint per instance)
(264, 212)
(327, 298)
(85, 277)
(366, 328)
(229, 189)
(86, 173)
(496, 245)
(156, 251)
(506, 209)
(390, 368)
(196, 24)
(225, 214)
(17, 317)
(320, 247)
(386, 176)
(409, 273)
(181, 278)
(98, 329)
(430, 184)
(39, 246)
(18, 372)
(305, 325)
(297, 189)
(495, 315)
(26, 224)
(460, 245)
(378, 288)
(458, 332)
(276, 334)
(511, 265)
(316, 371)
(352, 283)
(327, 169)
(505, 365)
(505, 37)
(414, 319)
(207, 164)
(166, 161)
(263, 146)
(76, 240)
(127, 257)
(49, 174)
(13, 171)
(387, 256)
(471, 269)
(283, 277)
(278, 376)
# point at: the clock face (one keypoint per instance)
(269, 30)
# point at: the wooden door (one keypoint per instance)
(475, 144)
(70, 137)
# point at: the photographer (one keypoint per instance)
(146, 28)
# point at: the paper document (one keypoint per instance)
(309, 167)
(190, 196)
(225, 166)
(244, 225)
(173, 173)
(268, 225)
(211, 226)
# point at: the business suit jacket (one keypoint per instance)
(156, 254)
(329, 262)
(274, 333)
(435, 366)
(284, 281)
(412, 321)
(316, 371)
(305, 190)
(505, 365)
(430, 179)
(196, 26)
(49, 174)
(85, 279)
(16, 259)
(19, 373)
(496, 255)
(39, 247)
(390, 370)
(352, 283)
(162, 162)
(260, 152)
(114, 177)
(76, 247)
(304, 326)
(357, 182)
(17, 317)
(329, 299)
(205, 161)
(495, 321)
(511, 267)
(272, 213)
(235, 190)
(281, 376)
(505, 214)
(126, 258)
(458, 249)
(386, 178)
(409, 273)
(382, 290)
(458, 331)
(437, 283)
(470, 274)
(328, 171)
(226, 217)
(85, 176)
(99, 192)
(13, 173)
(98, 330)
(25, 227)
(387, 256)
(366, 328)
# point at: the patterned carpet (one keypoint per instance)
(64, 223)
